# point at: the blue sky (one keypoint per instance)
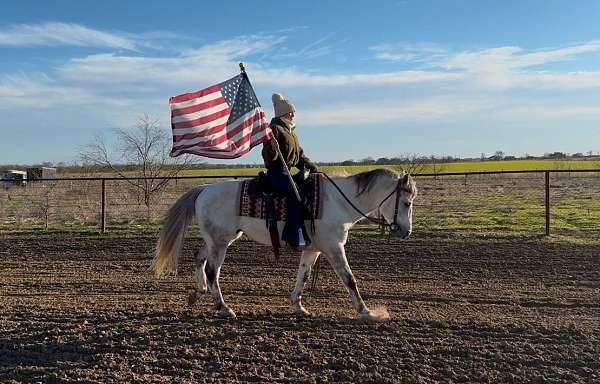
(387, 78)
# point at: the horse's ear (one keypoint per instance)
(405, 179)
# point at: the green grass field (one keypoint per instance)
(516, 165)
(480, 166)
(483, 206)
(467, 166)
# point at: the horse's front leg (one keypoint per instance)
(307, 261)
(337, 258)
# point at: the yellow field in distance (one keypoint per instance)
(465, 166)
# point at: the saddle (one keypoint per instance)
(258, 199)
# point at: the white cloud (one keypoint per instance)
(310, 51)
(545, 114)
(42, 92)
(496, 68)
(235, 48)
(557, 81)
(361, 113)
(515, 57)
(509, 67)
(126, 70)
(465, 88)
(505, 56)
(487, 113)
(314, 49)
(296, 78)
(502, 68)
(55, 34)
(217, 61)
(210, 63)
(123, 70)
(409, 52)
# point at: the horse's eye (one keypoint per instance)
(408, 204)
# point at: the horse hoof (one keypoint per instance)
(367, 316)
(372, 316)
(193, 297)
(226, 312)
(301, 311)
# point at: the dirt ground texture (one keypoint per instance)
(87, 310)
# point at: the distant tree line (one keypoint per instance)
(63, 167)
(497, 156)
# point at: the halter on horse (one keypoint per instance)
(220, 225)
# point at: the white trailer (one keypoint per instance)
(13, 177)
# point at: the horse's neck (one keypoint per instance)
(367, 202)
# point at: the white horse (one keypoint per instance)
(379, 193)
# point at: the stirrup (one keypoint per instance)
(301, 241)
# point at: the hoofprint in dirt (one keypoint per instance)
(461, 311)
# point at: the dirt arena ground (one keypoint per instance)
(86, 310)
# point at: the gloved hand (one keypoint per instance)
(312, 168)
(301, 176)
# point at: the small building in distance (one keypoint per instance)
(37, 173)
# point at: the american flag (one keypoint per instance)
(223, 121)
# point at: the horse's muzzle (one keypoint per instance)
(399, 232)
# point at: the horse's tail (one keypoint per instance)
(169, 243)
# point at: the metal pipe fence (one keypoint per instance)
(508, 202)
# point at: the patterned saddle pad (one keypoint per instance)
(255, 205)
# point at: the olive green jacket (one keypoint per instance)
(289, 146)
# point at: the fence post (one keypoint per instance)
(547, 188)
(103, 216)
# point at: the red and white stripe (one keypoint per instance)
(199, 122)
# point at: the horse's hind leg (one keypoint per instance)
(307, 261)
(200, 286)
(214, 261)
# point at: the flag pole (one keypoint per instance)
(285, 167)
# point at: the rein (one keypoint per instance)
(380, 221)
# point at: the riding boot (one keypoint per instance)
(292, 233)
(301, 241)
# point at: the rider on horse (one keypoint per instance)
(288, 143)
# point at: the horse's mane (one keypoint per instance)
(365, 180)
(411, 187)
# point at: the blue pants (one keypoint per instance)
(280, 181)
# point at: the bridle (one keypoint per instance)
(392, 227)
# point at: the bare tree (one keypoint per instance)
(414, 164)
(143, 152)
(437, 165)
